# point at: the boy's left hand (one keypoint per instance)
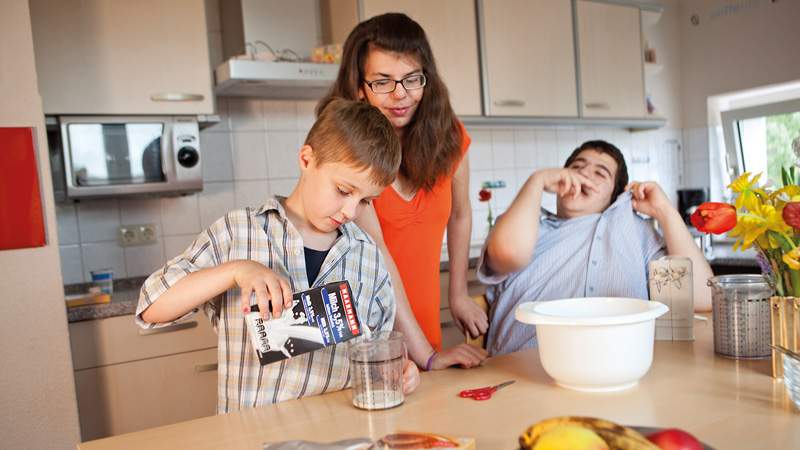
(410, 376)
(649, 199)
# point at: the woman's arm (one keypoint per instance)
(468, 316)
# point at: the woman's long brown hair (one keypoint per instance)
(432, 140)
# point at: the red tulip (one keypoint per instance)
(485, 195)
(791, 214)
(715, 218)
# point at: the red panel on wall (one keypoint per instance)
(21, 220)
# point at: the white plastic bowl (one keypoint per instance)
(597, 344)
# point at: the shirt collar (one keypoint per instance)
(274, 204)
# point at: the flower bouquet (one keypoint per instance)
(766, 217)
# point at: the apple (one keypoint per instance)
(675, 439)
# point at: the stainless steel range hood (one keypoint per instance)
(269, 79)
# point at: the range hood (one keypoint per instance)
(271, 79)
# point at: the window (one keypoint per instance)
(762, 138)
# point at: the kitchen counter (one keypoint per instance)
(726, 403)
(123, 301)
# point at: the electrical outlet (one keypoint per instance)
(132, 235)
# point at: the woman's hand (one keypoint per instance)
(469, 317)
(255, 278)
(563, 182)
(649, 199)
(464, 355)
(410, 376)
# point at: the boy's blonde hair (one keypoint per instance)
(357, 134)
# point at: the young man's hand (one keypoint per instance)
(464, 355)
(410, 376)
(563, 182)
(469, 317)
(649, 199)
(256, 278)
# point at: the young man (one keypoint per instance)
(288, 245)
(595, 245)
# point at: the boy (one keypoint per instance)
(594, 246)
(351, 153)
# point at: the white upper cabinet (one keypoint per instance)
(530, 58)
(122, 57)
(610, 55)
(451, 27)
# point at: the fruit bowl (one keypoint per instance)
(596, 344)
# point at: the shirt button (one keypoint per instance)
(599, 238)
(594, 262)
(591, 289)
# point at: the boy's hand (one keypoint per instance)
(649, 199)
(464, 355)
(469, 317)
(253, 277)
(410, 376)
(563, 182)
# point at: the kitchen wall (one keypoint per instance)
(252, 152)
(37, 387)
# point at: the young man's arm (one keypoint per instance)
(511, 243)
(649, 199)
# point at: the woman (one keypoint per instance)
(387, 61)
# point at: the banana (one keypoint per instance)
(617, 436)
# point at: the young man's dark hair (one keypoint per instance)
(621, 177)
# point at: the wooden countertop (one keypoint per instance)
(728, 404)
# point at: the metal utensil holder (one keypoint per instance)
(785, 325)
(741, 312)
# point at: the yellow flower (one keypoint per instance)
(753, 225)
(748, 192)
(792, 259)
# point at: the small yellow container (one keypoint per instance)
(785, 324)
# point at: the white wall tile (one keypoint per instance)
(249, 156)
(549, 202)
(98, 220)
(71, 264)
(224, 125)
(101, 255)
(525, 150)
(251, 193)
(246, 114)
(282, 187)
(476, 179)
(215, 201)
(567, 141)
(480, 150)
(306, 116)
(282, 154)
(217, 156)
(136, 211)
(280, 115)
(547, 148)
(522, 174)
(503, 197)
(180, 215)
(143, 260)
(584, 134)
(176, 245)
(503, 149)
(67, 218)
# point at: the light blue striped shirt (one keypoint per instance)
(596, 255)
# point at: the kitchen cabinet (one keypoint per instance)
(529, 58)
(451, 28)
(129, 379)
(610, 57)
(117, 57)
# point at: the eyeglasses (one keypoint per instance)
(386, 86)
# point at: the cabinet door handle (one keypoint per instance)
(176, 97)
(510, 102)
(199, 368)
(168, 328)
(598, 105)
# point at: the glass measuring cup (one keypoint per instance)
(376, 365)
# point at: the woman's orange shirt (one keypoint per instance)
(414, 232)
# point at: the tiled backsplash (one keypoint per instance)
(251, 154)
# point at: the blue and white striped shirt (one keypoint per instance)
(595, 255)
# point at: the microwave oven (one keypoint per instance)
(105, 156)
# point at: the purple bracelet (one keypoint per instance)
(430, 361)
